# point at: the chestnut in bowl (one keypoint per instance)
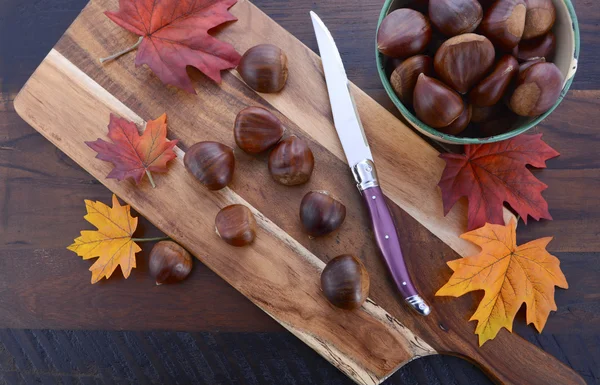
(566, 32)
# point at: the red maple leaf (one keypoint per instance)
(174, 34)
(491, 174)
(132, 154)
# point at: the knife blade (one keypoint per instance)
(358, 153)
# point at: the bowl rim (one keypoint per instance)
(433, 133)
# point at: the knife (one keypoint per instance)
(351, 133)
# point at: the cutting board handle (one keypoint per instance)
(509, 359)
(527, 365)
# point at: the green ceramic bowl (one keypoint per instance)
(566, 30)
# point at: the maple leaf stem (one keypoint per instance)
(151, 179)
(150, 239)
(121, 53)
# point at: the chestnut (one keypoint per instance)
(525, 65)
(404, 78)
(499, 125)
(236, 225)
(504, 22)
(485, 4)
(169, 262)
(435, 103)
(491, 89)
(537, 90)
(345, 282)
(418, 5)
(264, 68)
(459, 123)
(538, 47)
(462, 61)
(541, 15)
(321, 214)
(256, 130)
(403, 33)
(291, 162)
(455, 17)
(211, 163)
(486, 114)
(515, 51)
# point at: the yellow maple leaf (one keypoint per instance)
(112, 243)
(510, 275)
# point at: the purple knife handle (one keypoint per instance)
(387, 240)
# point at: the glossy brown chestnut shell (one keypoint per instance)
(504, 22)
(537, 90)
(169, 262)
(541, 15)
(486, 114)
(538, 47)
(491, 89)
(499, 125)
(236, 225)
(459, 123)
(345, 282)
(403, 33)
(291, 162)
(462, 61)
(256, 130)
(211, 163)
(321, 214)
(436, 104)
(525, 65)
(264, 68)
(404, 78)
(455, 17)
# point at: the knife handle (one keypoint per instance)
(386, 235)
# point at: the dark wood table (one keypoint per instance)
(57, 328)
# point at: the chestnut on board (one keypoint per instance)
(211, 163)
(404, 78)
(236, 225)
(462, 61)
(491, 89)
(321, 214)
(291, 162)
(403, 33)
(256, 130)
(169, 262)
(538, 47)
(537, 90)
(345, 282)
(459, 123)
(435, 103)
(504, 22)
(455, 17)
(541, 15)
(264, 68)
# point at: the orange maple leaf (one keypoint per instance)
(112, 243)
(132, 154)
(510, 275)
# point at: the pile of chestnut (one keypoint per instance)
(344, 281)
(469, 63)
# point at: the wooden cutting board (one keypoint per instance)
(70, 96)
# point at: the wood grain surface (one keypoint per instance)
(60, 179)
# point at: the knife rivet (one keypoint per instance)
(368, 169)
(387, 236)
(373, 197)
(403, 283)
